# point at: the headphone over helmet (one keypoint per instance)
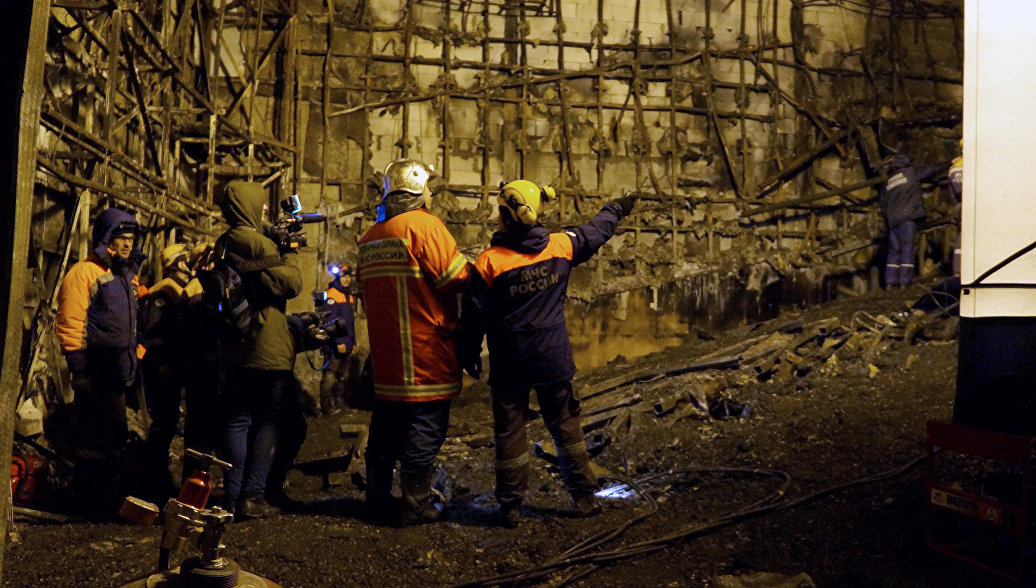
(525, 200)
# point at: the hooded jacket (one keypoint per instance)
(97, 302)
(517, 298)
(269, 346)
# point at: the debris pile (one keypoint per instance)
(706, 388)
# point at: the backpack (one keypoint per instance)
(223, 297)
(224, 301)
(225, 294)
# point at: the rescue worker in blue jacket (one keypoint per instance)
(517, 298)
(96, 325)
(339, 304)
(902, 208)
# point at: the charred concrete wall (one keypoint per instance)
(751, 130)
(731, 119)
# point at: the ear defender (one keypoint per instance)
(525, 200)
(523, 211)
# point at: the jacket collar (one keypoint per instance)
(521, 238)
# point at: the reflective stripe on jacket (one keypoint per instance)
(517, 299)
(410, 271)
(901, 199)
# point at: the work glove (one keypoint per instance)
(625, 203)
(473, 366)
(76, 362)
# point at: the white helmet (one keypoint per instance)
(407, 175)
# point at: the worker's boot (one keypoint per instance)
(586, 504)
(420, 503)
(508, 515)
(381, 505)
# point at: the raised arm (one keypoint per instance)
(588, 237)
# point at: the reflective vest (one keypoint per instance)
(410, 271)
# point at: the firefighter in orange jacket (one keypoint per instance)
(411, 273)
(96, 325)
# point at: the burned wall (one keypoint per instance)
(751, 131)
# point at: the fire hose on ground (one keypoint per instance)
(580, 555)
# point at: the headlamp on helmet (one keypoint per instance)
(338, 270)
(525, 200)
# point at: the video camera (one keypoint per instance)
(314, 330)
(287, 232)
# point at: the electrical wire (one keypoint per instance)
(590, 562)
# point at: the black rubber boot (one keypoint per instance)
(419, 501)
(381, 505)
(508, 515)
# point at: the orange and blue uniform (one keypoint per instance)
(517, 300)
(96, 318)
(410, 271)
(335, 376)
(341, 308)
(96, 325)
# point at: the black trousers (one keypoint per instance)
(102, 432)
(167, 379)
(334, 380)
(100, 401)
(408, 432)
(291, 435)
(560, 410)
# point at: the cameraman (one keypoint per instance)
(259, 380)
(339, 306)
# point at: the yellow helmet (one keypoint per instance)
(172, 254)
(407, 175)
(525, 200)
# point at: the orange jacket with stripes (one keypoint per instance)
(410, 272)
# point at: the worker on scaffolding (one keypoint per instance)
(410, 273)
(96, 325)
(902, 208)
(517, 297)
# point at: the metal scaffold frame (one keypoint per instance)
(509, 87)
